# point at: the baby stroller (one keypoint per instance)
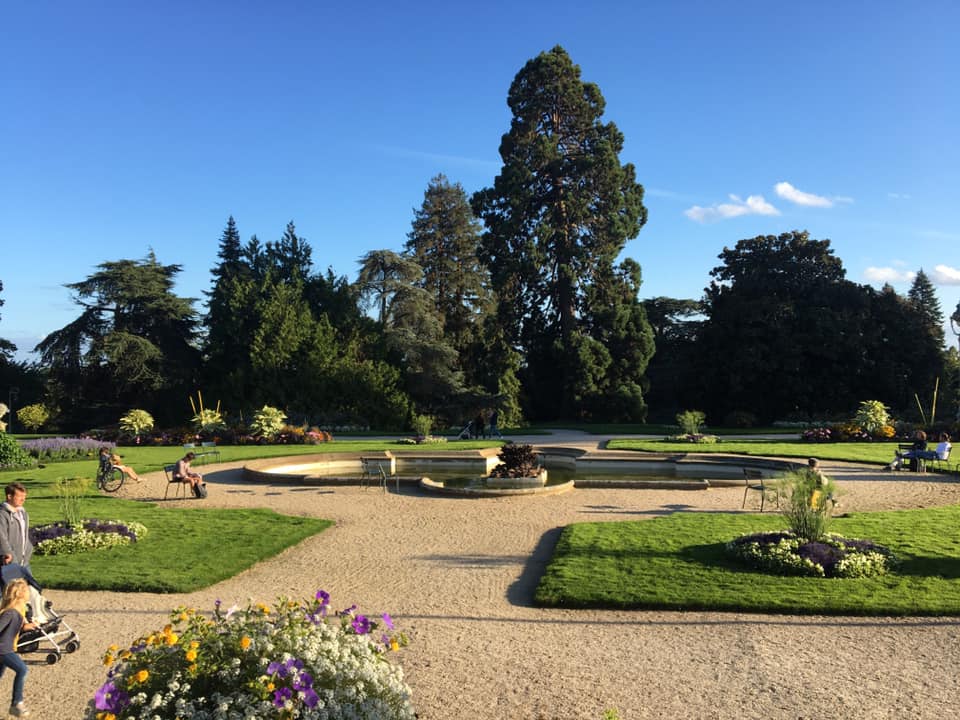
(467, 432)
(50, 626)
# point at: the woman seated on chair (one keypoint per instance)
(109, 460)
(918, 450)
(183, 473)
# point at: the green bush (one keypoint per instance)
(422, 424)
(70, 493)
(33, 416)
(12, 455)
(136, 422)
(690, 421)
(268, 422)
(872, 416)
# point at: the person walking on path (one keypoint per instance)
(495, 424)
(478, 429)
(13, 613)
(15, 545)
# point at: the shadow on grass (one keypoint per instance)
(947, 568)
(521, 591)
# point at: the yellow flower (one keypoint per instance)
(142, 675)
(270, 687)
(194, 644)
(108, 659)
(191, 655)
(113, 648)
(394, 645)
(192, 669)
(172, 639)
(263, 608)
(125, 654)
(245, 642)
(183, 617)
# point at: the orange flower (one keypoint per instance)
(245, 642)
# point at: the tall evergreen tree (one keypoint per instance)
(923, 296)
(558, 215)
(382, 274)
(444, 241)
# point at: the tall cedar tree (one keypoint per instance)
(132, 346)
(558, 215)
(444, 241)
(924, 298)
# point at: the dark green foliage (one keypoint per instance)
(516, 461)
(133, 345)
(557, 216)
(12, 455)
(923, 297)
(444, 242)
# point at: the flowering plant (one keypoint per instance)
(63, 538)
(785, 553)
(295, 660)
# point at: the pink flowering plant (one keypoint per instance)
(294, 660)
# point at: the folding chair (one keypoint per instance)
(181, 484)
(753, 480)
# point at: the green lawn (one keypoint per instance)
(864, 452)
(678, 562)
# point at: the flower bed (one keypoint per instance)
(62, 538)
(294, 660)
(61, 448)
(784, 553)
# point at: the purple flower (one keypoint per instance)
(303, 682)
(323, 597)
(310, 698)
(360, 625)
(109, 698)
(292, 663)
(281, 696)
(276, 668)
(388, 621)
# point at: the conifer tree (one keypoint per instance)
(558, 215)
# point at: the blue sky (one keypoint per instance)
(131, 125)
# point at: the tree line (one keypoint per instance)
(514, 298)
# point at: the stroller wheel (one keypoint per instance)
(72, 646)
(52, 658)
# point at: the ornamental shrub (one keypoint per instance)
(690, 421)
(806, 499)
(516, 461)
(12, 454)
(872, 415)
(421, 424)
(294, 660)
(70, 492)
(136, 422)
(267, 422)
(33, 416)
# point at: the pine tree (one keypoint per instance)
(923, 297)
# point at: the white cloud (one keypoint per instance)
(789, 192)
(888, 275)
(753, 205)
(898, 196)
(842, 199)
(945, 275)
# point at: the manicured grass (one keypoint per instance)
(679, 563)
(184, 550)
(864, 452)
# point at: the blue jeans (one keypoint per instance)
(15, 663)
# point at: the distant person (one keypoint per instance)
(183, 473)
(478, 428)
(813, 467)
(495, 424)
(15, 545)
(110, 460)
(913, 455)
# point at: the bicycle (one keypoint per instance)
(110, 478)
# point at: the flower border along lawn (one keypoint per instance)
(680, 563)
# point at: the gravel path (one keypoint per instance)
(459, 575)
